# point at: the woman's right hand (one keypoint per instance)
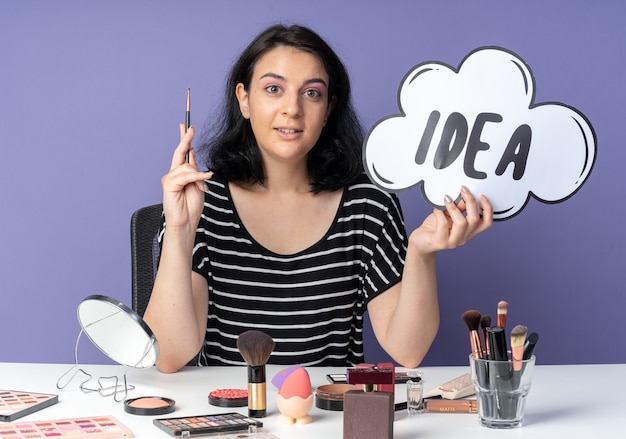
(183, 186)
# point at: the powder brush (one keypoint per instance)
(256, 347)
(471, 319)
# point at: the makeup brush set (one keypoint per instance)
(499, 364)
(491, 342)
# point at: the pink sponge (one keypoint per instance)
(293, 381)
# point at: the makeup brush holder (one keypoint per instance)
(501, 390)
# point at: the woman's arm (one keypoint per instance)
(405, 318)
(178, 305)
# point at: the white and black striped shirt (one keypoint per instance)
(311, 303)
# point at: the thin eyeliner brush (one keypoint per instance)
(188, 117)
(188, 112)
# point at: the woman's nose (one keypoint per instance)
(291, 105)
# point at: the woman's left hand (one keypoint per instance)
(455, 226)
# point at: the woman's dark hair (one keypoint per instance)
(336, 158)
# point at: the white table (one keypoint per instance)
(565, 401)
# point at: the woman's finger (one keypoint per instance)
(472, 211)
(459, 223)
(180, 153)
(487, 213)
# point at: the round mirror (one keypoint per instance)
(118, 331)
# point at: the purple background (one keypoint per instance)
(91, 94)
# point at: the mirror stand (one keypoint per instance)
(117, 390)
(120, 334)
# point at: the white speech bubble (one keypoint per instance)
(478, 126)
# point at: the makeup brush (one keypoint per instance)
(503, 308)
(529, 346)
(256, 347)
(518, 338)
(471, 319)
(188, 118)
(497, 344)
(188, 110)
(485, 324)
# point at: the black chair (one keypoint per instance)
(144, 247)
(144, 226)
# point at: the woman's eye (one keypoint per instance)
(313, 93)
(273, 89)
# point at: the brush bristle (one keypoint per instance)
(485, 321)
(255, 347)
(518, 335)
(471, 319)
(503, 307)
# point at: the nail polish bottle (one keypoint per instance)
(369, 412)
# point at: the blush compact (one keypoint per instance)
(229, 397)
(149, 405)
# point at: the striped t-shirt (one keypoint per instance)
(311, 303)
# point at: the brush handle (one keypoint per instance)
(257, 393)
(476, 345)
(497, 344)
(529, 347)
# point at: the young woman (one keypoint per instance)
(286, 234)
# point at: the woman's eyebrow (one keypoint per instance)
(282, 78)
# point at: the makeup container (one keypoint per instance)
(149, 405)
(414, 394)
(229, 397)
(501, 390)
(212, 424)
(436, 405)
(369, 412)
(97, 427)
(458, 387)
(330, 396)
(14, 403)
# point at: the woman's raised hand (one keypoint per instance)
(183, 185)
(455, 226)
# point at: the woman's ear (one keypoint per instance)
(242, 97)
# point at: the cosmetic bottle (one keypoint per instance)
(369, 412)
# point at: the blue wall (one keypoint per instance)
(91, 94)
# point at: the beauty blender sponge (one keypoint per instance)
(297, 383)
(280, 377)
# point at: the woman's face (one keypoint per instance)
(287, 103)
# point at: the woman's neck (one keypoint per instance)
(286, 179)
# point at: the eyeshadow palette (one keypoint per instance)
(101, 427)
(206, 424)
(15, 404)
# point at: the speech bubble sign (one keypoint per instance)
(479, 126)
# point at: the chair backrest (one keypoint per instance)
(144, 247)
(144, 226)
